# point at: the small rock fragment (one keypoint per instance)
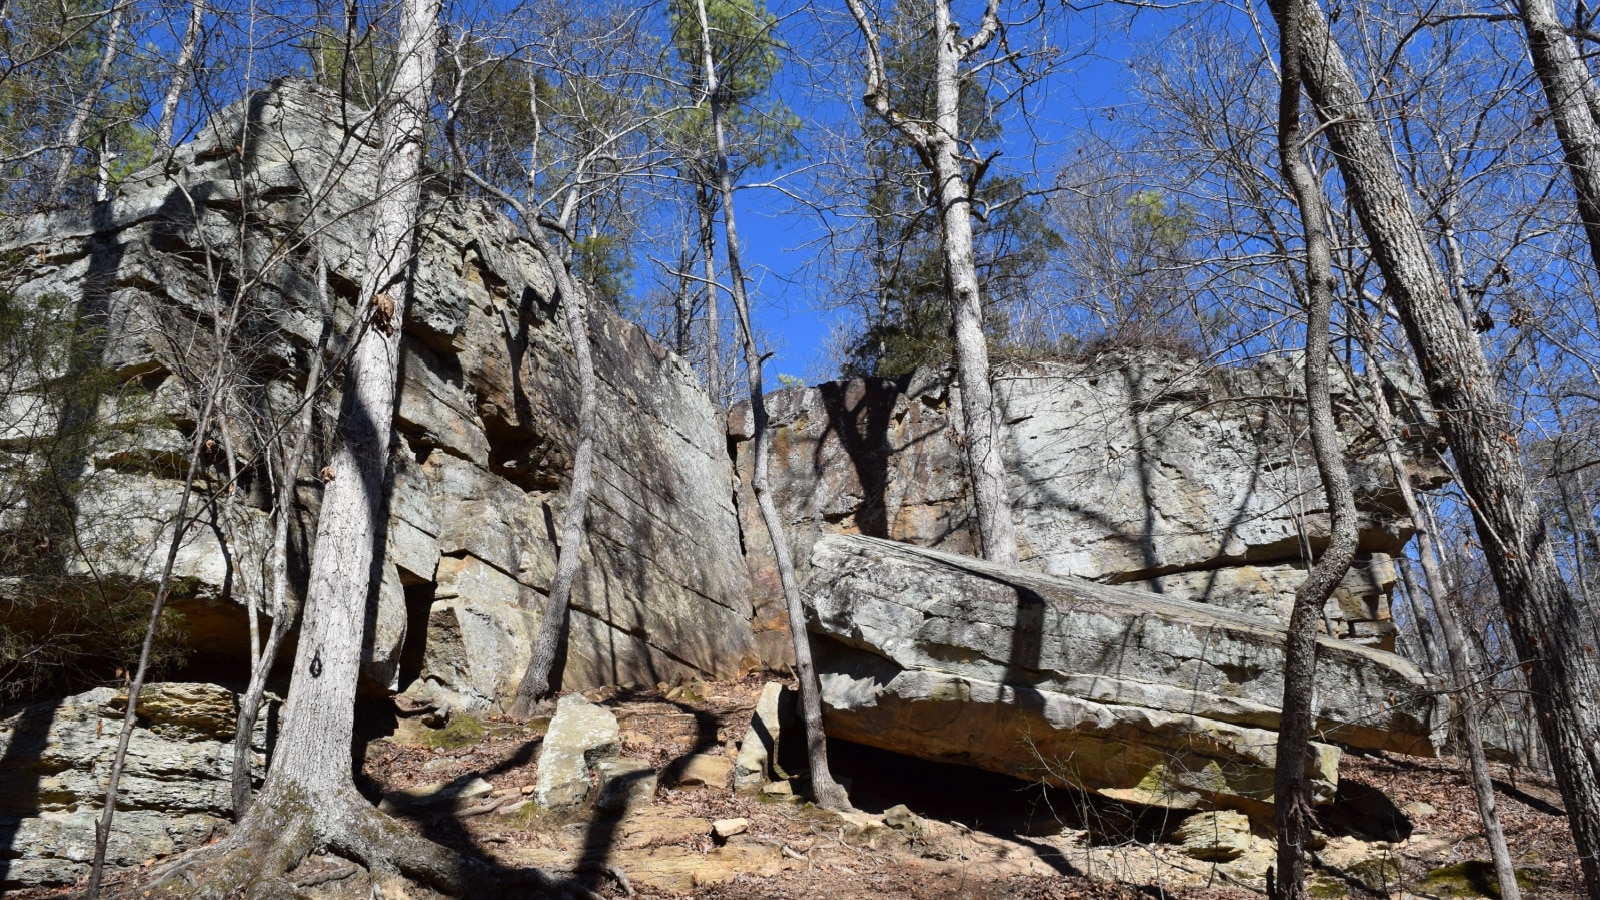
(701, 770)
(778, 789)
(902, 819)
(625, 784)
(1419, 809)
(722, 829)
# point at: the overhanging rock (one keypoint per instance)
(1113, 690)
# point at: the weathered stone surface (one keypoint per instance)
(722, 829)
(486, 412)
(580, 735)
(440, 793)
(1128, 693)
(758, 751)
(55, 758)
(1218, 836)
(1134, 467)
(625, 784)
(708, 770)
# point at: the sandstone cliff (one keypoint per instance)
(486, 413)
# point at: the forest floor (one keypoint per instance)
(962, 833)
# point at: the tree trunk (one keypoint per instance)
(1567, 84)
(85, 108)
(1460, 660)
(996, 530)
(827, 792)
(180, 73)
(1554, 636)
(278, 562)
(706, 203)
(309, 799)
(536, 679)
(1291, 791)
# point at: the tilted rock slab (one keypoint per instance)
(1114, 690)
(1134, 467)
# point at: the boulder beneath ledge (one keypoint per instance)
(1122, 692)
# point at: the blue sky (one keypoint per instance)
(790, 306)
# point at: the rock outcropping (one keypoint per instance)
(55, 756)
(1136, 467)
(1141, 698)
(486, 411)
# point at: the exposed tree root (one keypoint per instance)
(282, 830)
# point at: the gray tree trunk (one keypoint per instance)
(537, 678)
(827, 792)
(180, 73)
(282, 614)
(1460, 660)
(939, 144)
(1567, 85)
(85, 107)
(1291, 791)
(1554, 636)
(309, 798)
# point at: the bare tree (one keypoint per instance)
(1555, 636)
(181, 69)
(1291, 791)
(85, 107)
(940, 145)
(828, 793)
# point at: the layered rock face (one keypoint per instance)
(1137, 468)
(1138, 697)
(55, 757)
(266, 210)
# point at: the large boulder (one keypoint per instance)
(1124, 692)
(55, 758)
(1132, 467)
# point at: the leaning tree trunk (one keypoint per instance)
(1567, 85)
(995, 527)
(1555, 636)
(1291, 791)
(309, 799)
(180, 73)
(537, 678)
(827, 792)
(85, 107)
(939, 144)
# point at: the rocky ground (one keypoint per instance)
(1404, 827)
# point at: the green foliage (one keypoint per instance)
(60, 622)
(760, 130)
(602, 261)
(49, 52)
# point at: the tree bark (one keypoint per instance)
(310, 798)
(827, 792)
(1291, 791)
(939, 144)
(1460, 660)
(1555, 637)
(1567, 85)
(278, 563)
